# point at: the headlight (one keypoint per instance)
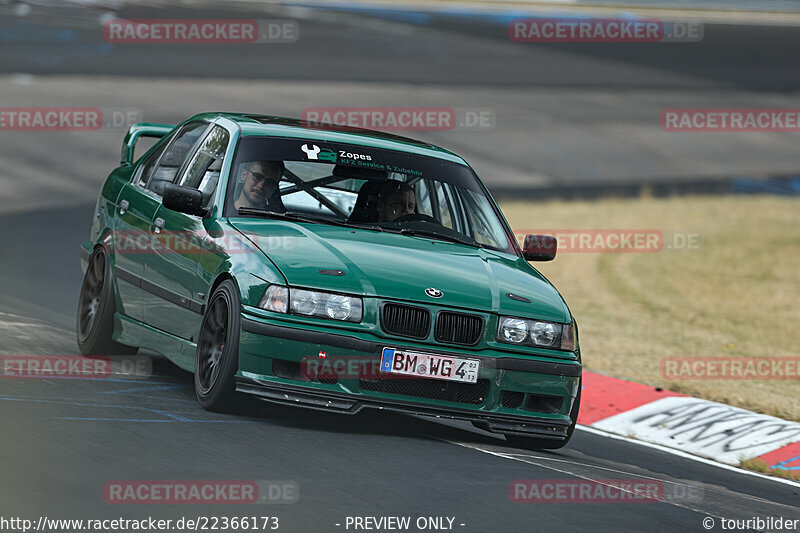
(340, 307)
(325, 305)
(312, 303)
(276, 298)
(513, 330)
(526, 332)
(544, 333)
(305, 302)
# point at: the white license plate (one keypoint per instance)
(429, 365)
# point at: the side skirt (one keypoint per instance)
(135, 333)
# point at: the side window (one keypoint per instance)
(149, 165)
(174, 156)
(203, 170)
(436, 205)
(443, 198)
(486, 228)
(424, 198)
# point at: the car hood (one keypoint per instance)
(389, 265)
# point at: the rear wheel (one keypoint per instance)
(217, 356)
(96, 307)
(534, 443)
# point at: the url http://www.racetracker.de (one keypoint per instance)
(44, 524)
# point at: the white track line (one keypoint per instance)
(545, 462)
(520, 455)
(685, 455)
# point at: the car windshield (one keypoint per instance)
(364, 187)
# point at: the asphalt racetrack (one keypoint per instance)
(595, 111)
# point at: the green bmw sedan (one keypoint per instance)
(329, 268)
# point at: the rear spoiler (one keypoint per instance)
(142, 129)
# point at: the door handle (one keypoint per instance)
(159, 224)
(123, 206)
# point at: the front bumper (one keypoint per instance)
(514, 395)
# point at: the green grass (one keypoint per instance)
(759, 465)
(737, 294)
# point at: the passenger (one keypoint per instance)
(396, 199)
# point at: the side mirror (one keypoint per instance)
(184, 200)
(539, 248)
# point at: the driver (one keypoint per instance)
(259, 186)
(395, 200)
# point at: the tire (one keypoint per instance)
(534, 443)
(96, 308)
(217, 355)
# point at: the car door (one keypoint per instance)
(172, 268)
(160, 169)
(136, 206)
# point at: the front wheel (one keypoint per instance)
(217, 355)
(534, 443)
(96, 307)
